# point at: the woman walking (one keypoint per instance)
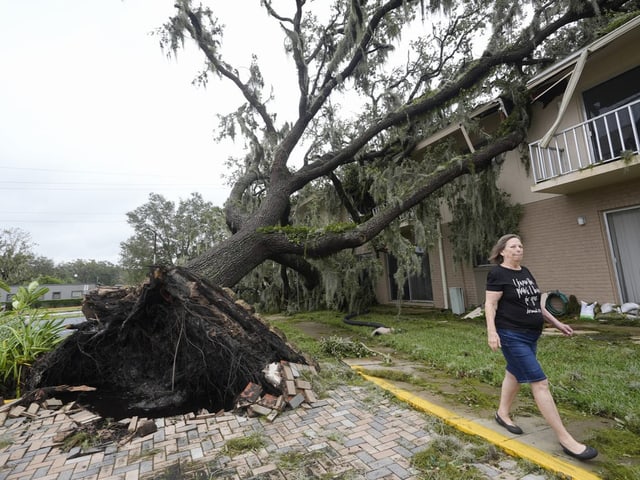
(515, 317)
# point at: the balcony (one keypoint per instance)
(601, 151)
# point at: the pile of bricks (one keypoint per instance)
(294, 391)
(253, 400)
(51, 407)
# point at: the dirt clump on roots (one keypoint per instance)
(173, 345)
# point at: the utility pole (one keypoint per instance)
(155, 242)
(155, 245)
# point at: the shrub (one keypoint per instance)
(25, 333)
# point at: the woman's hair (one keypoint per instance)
(495, 256)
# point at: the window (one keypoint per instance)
(612, 131)
(417, 286)
(481, 260)
(76, 294)
(56, 296)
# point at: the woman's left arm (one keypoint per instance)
(563, 327)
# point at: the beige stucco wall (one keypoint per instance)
(561, 254)
(604, 64)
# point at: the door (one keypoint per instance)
(624, 238)
(417, 287)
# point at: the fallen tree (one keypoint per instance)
(173, 345)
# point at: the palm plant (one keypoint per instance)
(25, 333)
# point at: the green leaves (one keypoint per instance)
(26, 297)
(481, 214)
(25, 333)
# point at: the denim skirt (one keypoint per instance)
(519, 349)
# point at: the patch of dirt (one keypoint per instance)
(315, 329)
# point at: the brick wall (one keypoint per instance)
(561, 254)
(572, 258)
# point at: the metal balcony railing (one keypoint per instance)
(610, 136)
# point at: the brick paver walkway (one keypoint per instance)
(354, 433)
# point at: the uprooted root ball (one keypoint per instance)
(175, 344)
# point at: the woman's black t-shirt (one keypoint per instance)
(519, 306)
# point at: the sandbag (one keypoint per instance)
(587, 310)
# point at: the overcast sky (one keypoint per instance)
(94, 117)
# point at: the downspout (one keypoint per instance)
(443, 272)
(467, 138)
(568, 93)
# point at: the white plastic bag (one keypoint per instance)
(587, 310)
(629, 307)
(607, 308)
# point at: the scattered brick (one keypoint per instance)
(17, 411)
(287, 372)
(272, 416)
(249, 395)
(69, 406)
(133, 424)
(204, 416)
(296, 401)
(303, 384)
(52, 403)
(290, 387)
(32, 410)
(62, 435)
(257, 409)
(280, 404)
(84, 416)
(310, 396)
(268, 401)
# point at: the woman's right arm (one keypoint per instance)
(490, 308)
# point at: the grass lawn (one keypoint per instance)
(595, 374)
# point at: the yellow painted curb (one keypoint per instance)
(463, 424)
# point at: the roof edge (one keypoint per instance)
(571, 59)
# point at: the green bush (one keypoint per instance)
(65, 302)
(25, 333)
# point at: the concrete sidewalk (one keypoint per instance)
(538, 444)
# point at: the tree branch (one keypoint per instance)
(330, 243)
(346, 201)
(472, 73)
(204, 42)
(297, 263)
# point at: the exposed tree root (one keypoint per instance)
(173, 345)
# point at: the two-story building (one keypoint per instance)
(581, 193)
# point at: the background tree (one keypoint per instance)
(89, 272)
(361, 111)
(42, 267)
(170, 234)
(16, 256)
